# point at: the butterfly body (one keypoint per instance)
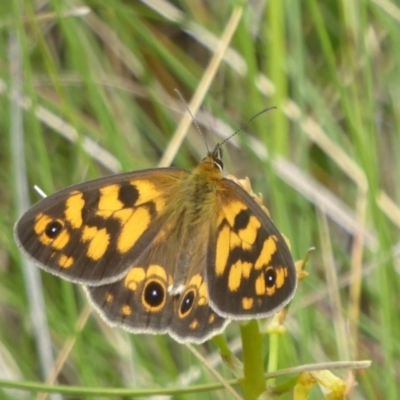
(164, 250)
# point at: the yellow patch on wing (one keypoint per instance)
(237, 271)
(222, 251)
(194, 324)
(232, 209)
(133, 229)
(73, 209)
(270, 290)
(235, 241)
(61, 240)
(195, 280)
(268, 250)
(65, 261)
(281, 274)
(235, 277)
(147, 191)
(126, 310)
(246, 269)
(203, 293)
(228, 239)
(260, 285)
(109, 297)
(123, 215)
(98, 239)
(134, 277)
(249, 233)
(159, 203)
(108, 201)
(137, 275)
(158, 271)
(247, 303)
(110, 206)
(41, 222)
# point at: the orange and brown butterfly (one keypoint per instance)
(164, 250)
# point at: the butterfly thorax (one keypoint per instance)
(194, 210)
(197, 200)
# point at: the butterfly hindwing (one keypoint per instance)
(91, 232)
(250, 271)
(151, 298)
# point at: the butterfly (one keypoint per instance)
(164, 250)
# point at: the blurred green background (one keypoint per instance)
(88, 89)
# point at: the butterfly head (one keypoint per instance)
(216, 157)
(213, 161)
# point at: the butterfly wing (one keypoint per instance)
(149, 299)
(91, 233)
(250, 270)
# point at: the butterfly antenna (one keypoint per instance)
(193, 119)
(247, 123)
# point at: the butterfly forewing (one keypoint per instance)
(248, 258)
(92, 232)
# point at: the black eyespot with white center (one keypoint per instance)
(186, 303)
(53, 229)
(270, 277)
(154, 295)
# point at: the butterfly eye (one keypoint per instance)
(154, 295)
(270, 277)
(53, 229)
(186, 303)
